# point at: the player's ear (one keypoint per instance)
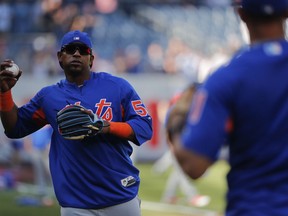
(91, 60)
(61, 65)
(59, 54)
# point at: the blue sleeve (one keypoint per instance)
(205, 131)
(136, 114)
(30, 118)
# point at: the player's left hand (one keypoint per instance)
(75, 122)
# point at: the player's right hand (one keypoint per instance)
(7, 80)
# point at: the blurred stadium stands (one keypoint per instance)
(122, 31)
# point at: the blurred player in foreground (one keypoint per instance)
(243, 104)
(92, 173)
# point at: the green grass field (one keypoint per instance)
(212, 184)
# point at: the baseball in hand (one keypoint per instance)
(14, 69)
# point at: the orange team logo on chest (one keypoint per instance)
(100, 107)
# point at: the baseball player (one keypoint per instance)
(243, 104)
(94, 116)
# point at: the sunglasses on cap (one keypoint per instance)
(71, 49)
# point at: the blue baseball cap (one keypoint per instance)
(76, 37)
(264, 7)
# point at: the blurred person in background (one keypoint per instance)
(21, 10)
(243, 104)
(155, 58)
(133, 59)
(36, 147)
(6, 16)
(40, 144)
(177, 182)
(92, 174)
(177, 179)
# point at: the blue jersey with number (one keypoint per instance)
(244, 104)
(96, 172)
